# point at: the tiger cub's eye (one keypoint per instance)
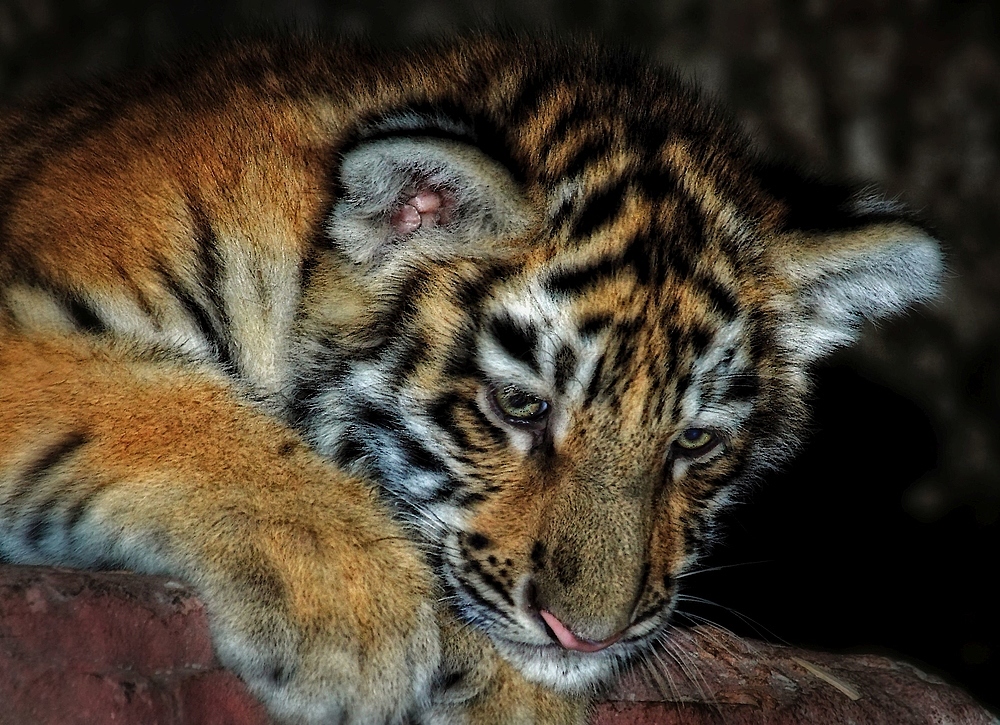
(695, 441)
(518, 406)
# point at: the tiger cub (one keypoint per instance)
(430, 370)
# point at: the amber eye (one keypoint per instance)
(519, 407)
(696, 441)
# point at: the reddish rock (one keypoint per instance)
(113, 647)
(110, 647)
(218, 698)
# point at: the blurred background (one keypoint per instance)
(885, 536)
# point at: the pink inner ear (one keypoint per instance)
(424, 209)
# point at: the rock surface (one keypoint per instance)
(114, 647)
(80, 648)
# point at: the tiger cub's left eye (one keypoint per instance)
(519, 406)
(696, 441)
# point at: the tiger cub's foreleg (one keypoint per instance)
(316, 598)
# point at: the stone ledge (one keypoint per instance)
(81, 648)
(102, 647)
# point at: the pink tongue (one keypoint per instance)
(570, 641)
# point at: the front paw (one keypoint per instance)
(329, 629)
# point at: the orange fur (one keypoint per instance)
(224, 357)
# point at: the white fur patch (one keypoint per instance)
(865, 275)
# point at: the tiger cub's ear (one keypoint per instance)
(865, 259)
(406, 199)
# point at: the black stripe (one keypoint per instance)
(80, 508)
(698, 339)
(694, 539)
(444, 121)
(349, 450)
(658, 182)
(322, 376)
(659, 405)
(595, 386)
(139, 296)
(723, 300)
(50, 459)
(199, 313)
(572, 117)
(414, 352)
(258, 580)
(469, 498)
(645, 257)
(440, 119)
(579, 279)
(470, 293)
(84, 316)
(679, 260)
(742, 387)
(37, 530)
(459, 360)
(209, 266)
(447, 491)
(41, 523)
(493, 583)
(56, 454)
(601, 209)
(595, 324)
(380, 418)
(418, 455)
(405, 308)
(680, 389)
(533, 92)
(669, 363)
(625, 352)
(561, 216)
(761, 335)
(442, 412)
(484, 424)
(589, 151)
(518, 339)
(474, 594)
(680, 256)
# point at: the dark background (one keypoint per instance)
(884, 536)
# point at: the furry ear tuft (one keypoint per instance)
(423, 198)
(839, 279)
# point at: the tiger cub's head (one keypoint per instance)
(578, 318)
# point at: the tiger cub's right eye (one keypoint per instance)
(518, 406)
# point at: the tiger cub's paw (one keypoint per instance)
(347, 636)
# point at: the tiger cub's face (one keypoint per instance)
(571, 352)
(599, 426)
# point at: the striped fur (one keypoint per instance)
(283, 243)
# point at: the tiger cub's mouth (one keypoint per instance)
(536, 641)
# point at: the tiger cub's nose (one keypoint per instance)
(561, 633)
